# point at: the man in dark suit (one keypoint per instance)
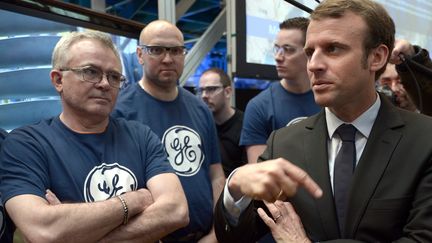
(384, 193)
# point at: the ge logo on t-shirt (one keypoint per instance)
(184, 149)
(108, 180)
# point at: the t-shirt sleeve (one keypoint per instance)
(3, 135)
(254, 130)
(22, 166)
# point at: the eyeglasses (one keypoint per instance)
(284, 50)
(211, 90)
(95, 75)
(158, 51)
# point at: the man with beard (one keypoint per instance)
(181, 120)
(216, 90)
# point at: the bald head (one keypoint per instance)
(160, 29)
(161, 71)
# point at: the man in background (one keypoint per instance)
(414, 67)
(284, 102)
(83, 176)
(183, 123)
(389, 83)
(215, 88)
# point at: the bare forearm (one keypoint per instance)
(84, 222)
(254, 151)
(40, 221)
(157, 221)
(168, 213)
(218, 186)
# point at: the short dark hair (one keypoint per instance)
(300, 23)
(381, 28)
(223, 77)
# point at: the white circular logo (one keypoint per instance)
(108, 180)
(184, 149)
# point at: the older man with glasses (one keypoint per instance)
(183, 123)
(83, 176)
(216, 90)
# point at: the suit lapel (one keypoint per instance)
(374, 160)
(317, 167)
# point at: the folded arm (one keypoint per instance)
(39, 221)
(168, 213)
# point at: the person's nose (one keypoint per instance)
(395, 85)
(167, 58)
(204, 94)
(104, 82)
(278, 56)
(315, 62)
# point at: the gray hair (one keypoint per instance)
(61, 50)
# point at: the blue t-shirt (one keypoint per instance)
(7, 227)
(80, 167)
(272, 109)
(188, 134)
(3, 134)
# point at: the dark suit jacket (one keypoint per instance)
(391, 192)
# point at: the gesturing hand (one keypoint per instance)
(271, 180)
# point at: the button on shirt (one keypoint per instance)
(363, 124)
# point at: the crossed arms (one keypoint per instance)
(153, 214)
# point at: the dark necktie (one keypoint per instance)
(343, 170)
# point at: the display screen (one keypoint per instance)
(257, 25)
(262, 25)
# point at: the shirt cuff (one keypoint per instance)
(233, 209)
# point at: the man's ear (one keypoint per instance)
(139, 54)
(228, 91)
(56, 80)
(378, 57)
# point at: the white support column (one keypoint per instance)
(231, 44)
(98, 5)
(166, 10)
(205, 43)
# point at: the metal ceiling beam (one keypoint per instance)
(182, 7)
(205, 43)
(194, 21)
(127, 8)
(201, 10)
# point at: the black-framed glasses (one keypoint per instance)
(158, 51)
(94, 75)
(211, 90)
